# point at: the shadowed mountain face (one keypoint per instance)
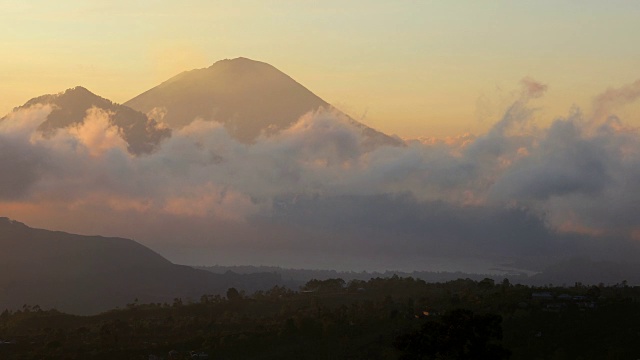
(70, 108)
(248, 97)
(89, 274)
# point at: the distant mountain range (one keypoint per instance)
(249, 97)
(563, 273)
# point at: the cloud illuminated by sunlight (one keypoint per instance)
(516, 187)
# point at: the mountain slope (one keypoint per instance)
(88, 274)
(70, 108)
(249, 97)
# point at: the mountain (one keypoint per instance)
(89, 274)
(142, 134)
(249, 97)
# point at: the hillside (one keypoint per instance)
(143, 135)
(89, 274)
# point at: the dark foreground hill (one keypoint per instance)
(89, 274)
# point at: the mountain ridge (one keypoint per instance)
(88, 274)
(249, 97)
(142, 134)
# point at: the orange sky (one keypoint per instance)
(411, 68)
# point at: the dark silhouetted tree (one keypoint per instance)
(460, 334)
(233, 294)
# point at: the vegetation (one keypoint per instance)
(383, 318)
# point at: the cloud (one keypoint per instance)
(605, 103)
(210, 200)
(565, 162)
(532, 88)
(22, 162)
(318, 188)
(97, 134)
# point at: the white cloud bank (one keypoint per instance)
(314, 192)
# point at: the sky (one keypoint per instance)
(411, 68)
(520, 119)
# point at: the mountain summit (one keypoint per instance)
(249, 97)
(143, 135)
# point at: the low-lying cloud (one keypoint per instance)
(315, 194)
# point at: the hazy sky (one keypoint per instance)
(414, 68)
